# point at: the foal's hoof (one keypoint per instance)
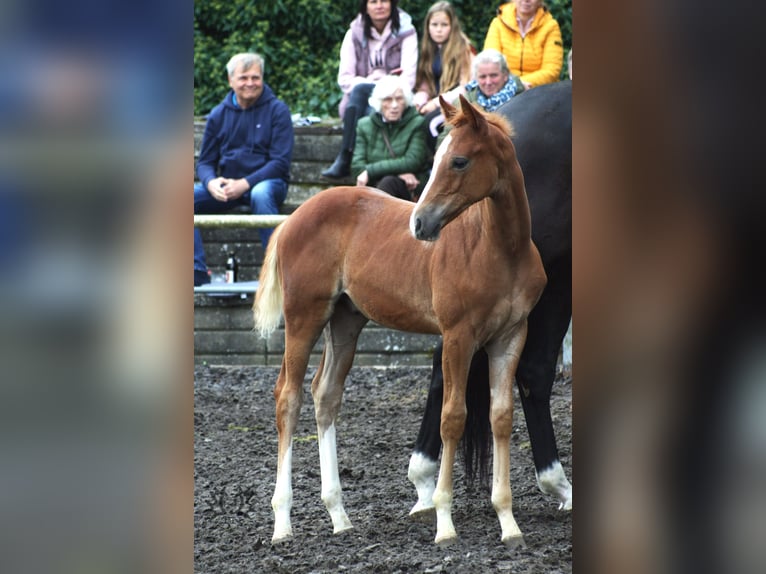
(342, 530)
(514, 542)
(281, 539)
(424, 514)
(566, 504)
(446, 541)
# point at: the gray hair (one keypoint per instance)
(386, 87)
(490, 56)
(246, 60)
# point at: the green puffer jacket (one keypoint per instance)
(407, 138)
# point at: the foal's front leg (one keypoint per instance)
(455, 363)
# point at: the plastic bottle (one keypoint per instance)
(231, 268)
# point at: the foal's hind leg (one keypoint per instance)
(340, 335)
(289, 397)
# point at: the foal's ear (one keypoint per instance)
(447, 109)
(474, 117)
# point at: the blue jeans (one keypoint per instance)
(359, 98)
(265, 198)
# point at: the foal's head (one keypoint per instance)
(466, 168)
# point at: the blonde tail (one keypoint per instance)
(267, 308)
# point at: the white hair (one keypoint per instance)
(490, 56)
(246, 60)
(386, 87)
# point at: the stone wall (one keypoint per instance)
(223, 334)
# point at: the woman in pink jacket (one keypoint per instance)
(381, 40)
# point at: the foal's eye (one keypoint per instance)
(459, 163)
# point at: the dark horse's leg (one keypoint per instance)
(424, 463)
(535, 374)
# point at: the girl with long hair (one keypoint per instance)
(444, 64)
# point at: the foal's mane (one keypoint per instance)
(460, 119)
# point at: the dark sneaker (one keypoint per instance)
(201, 277)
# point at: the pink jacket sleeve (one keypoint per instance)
(347, 77)
(410, 59)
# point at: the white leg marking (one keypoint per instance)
(445, 528)
(422, 473)
(502, 498)
(567, 348)
(553, 481)
(437, 160)
(332, 495)
(282, 501)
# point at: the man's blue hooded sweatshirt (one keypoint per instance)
(256, 143)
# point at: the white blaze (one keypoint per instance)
(437, 160)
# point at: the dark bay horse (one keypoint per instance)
(542, 122)
(353, 254)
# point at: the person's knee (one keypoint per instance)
(267, 196)
(359, 98)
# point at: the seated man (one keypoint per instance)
(245, 154)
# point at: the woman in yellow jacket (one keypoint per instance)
(530, 39)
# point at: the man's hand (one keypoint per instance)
(215, 187)
(224, 189)
(363, 178)
(235, 188)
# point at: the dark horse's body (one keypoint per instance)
(542, 122)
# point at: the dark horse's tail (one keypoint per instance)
(477, 433)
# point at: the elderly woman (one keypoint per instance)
(492, 84)
(390, 151)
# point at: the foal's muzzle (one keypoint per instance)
(425, 228)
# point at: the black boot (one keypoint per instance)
(341, 167)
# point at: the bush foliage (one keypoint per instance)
(300, 41)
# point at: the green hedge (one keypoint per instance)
(300, 41)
